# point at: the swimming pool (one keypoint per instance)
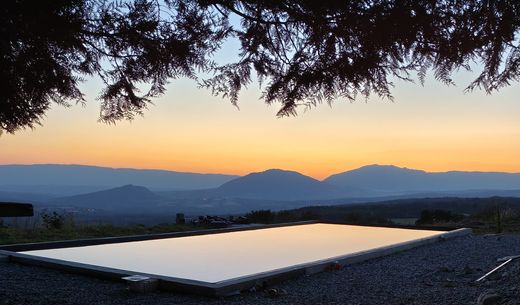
(231, 261)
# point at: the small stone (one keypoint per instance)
(334, 266)
(141, 284)
(487, 298)
(274, 293)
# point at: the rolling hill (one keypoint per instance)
(124, 199)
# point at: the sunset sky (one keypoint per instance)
(435, 128)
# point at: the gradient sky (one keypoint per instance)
(435, 128)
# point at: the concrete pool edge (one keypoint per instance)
(225, 287)
(246, 282)
(144, 237)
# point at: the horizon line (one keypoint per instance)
(252, 172)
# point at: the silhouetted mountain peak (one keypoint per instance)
(278, 173)
(124, 197)
(126, 189)
(377, 168)
(277, 184)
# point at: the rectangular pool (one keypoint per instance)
(240, 257)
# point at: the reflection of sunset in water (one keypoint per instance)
(217, 257)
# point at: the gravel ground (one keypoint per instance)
(442, 273)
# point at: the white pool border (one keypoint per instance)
(222, 288)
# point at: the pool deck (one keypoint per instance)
(222, 288)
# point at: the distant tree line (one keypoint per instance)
(438, 216)
(268, 216)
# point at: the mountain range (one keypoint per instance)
(131, 191)
(64, 180)
(389, 179)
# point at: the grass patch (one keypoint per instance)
(13, 235)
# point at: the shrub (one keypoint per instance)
(53, 221)
(438, 216)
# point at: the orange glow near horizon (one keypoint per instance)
(435, 128)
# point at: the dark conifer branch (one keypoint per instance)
(303, 52)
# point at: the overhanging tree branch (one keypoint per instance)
(304, 52)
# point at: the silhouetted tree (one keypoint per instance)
(47, 46)
(303, 52)
(53, 221)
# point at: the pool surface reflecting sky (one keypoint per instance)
(218, 257)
